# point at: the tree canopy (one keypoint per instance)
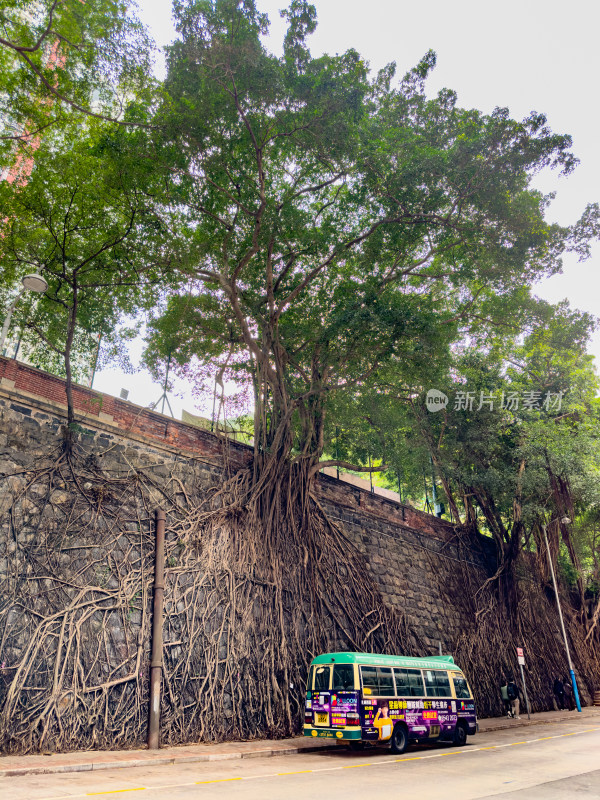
(58, 57)
(83, 221)
(339, 222)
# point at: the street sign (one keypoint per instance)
(521, 660)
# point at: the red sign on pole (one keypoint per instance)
(520, 651)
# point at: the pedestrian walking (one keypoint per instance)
(504, 696)
(559, 693)
(513, 692)
(568, 694)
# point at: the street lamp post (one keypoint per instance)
(565, 521)
(31, 283)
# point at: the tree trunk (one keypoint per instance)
(72, 323)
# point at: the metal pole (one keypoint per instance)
(562, 623)
(434, 490)
(95, 360)
(157, 632)
(427, 504)
(525, 691)
(166, 384)
(16, 353)
(8, 318)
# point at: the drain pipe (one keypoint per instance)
(157, 632)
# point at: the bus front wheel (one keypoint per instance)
(399, 741)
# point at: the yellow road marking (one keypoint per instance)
(491, 747)
(414, 758)
(354, 766)
(118, 791)
(219, 780)
(297, 772)
(514, 743)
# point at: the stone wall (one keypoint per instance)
(406, 549)
(76, 566)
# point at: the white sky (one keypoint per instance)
(527, 55)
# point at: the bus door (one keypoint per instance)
(334, 696)
(378, 703)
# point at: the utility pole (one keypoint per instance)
(156, 661)
(565, 521)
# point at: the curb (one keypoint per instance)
(159, 761)
(525, 723)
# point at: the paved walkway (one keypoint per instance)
(85, 760)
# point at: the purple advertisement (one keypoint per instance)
(424, 717)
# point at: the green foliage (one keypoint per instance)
(62, 56)
(81, 221)
(518, 464)
(338, 226)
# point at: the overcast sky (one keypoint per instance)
(540, 55)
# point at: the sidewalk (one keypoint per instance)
(86, 760)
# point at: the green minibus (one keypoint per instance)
(365, 698)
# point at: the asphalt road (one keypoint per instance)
(559, 761)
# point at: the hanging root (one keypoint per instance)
(258, 582)
(265, 599)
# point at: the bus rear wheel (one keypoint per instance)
(460, 735)
(399, 741)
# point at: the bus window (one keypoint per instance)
(437, 683)
(322, 678)
(386, 682)
(369, 679)
(378, 681)
(409, 683)
(461, 687)
(343, 677)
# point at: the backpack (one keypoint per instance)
(512, 691)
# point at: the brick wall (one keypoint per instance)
(95, 407)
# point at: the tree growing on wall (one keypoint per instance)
(338, 222)
(334, 234)
(516, 445)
